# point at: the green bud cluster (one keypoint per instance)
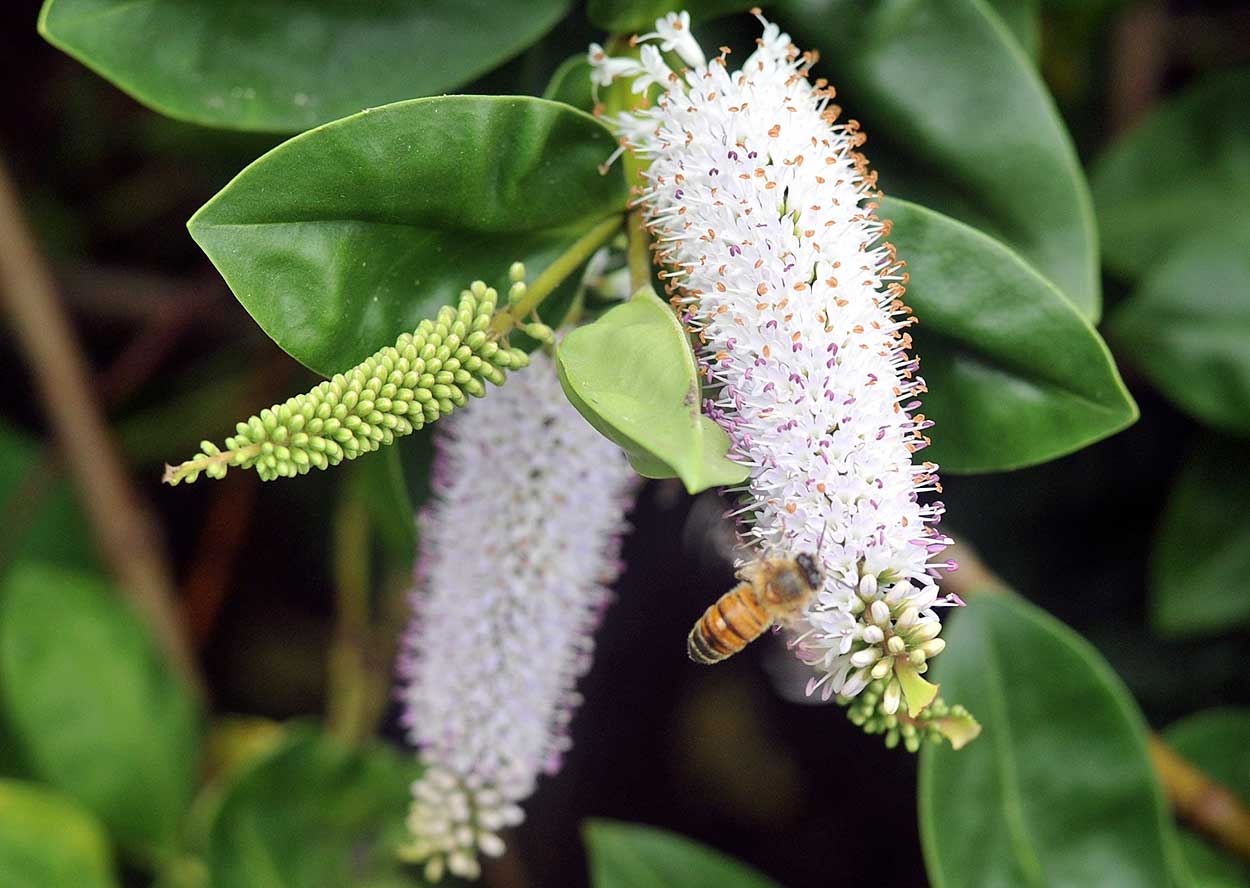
(870, 711)
(426, 375)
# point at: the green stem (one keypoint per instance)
(638, 254)
(555, 274)
(348, 679)
(175, 474)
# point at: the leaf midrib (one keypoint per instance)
(1012, 797)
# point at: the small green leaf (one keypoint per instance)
(1180, 173)
(1201, 558)
(632, 374)
(1059, 789)
(958, 119)
(281, 66)
(94, 708)
(345, 236)
(315, 813)
(624, 855)
(571, 84)
(1188, 325)
(48, 841)
(1016, 376)
(1218, 742)
(630, 16)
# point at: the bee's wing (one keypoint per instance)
(710, 537)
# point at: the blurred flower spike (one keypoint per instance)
(518, 546)
(762, 214)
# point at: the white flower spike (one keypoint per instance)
(518, 546)
(761, 209)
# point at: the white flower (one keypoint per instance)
(517, 548)
(674, 35)
(762, 212)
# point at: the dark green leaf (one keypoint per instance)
(287, 65)
(1210, 867)
(94, 708)
(1023, 20)
(32, 484)
(1188, 326)
(959, 120)
(632, 374)
(48, 841)
(632, 16)
(1201, 558)
(1016, 376)
(1181, 172)
(1059, 789)
(624, 855)
(1218, 742)
(315, 814)
(343, 237)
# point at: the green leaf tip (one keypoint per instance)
(425, 375)
(873, 711)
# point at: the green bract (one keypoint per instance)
(623, 855)
(341, 236)
(958, 119)
(1059, 789)
(283, 66)
(425, 375)
(633, 376)
(938, 720)
(1016, 376)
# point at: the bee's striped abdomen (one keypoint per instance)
(729, 625)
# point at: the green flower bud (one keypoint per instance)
(427, 374)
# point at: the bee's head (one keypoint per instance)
(811, 569)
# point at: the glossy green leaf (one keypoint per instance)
(1218, 742)
(94, 708)
(636, 16)
(315, 813)
(1201, 558)
(625, 855)
(343, 237)
(632, 374)
(1188, 326)
(48, 841)
(1181, 172)
(1059, 789)
(287, 65)
(958, 119)
(1016, 376)
(1023, 20)
(571, 84)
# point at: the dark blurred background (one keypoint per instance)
(718, 754)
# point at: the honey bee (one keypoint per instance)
(772, 591)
